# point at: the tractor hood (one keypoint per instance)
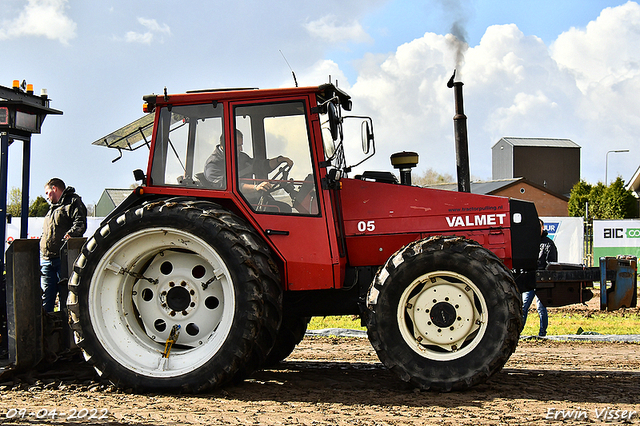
(379, 218)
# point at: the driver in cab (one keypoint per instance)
(257, 193)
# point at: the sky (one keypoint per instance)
(543, 68)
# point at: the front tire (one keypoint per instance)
(444, 314)
(174, 266)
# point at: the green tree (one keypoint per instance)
(602, 202)
(39, 207)
(579, 198)
(597, 201)
(14, 202)
(621, 204)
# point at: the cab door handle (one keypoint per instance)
(275, 232)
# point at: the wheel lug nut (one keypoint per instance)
(171, 284)
(192, 292)
(172, 313)
(192, 304)
(184, 313)
(183, 284)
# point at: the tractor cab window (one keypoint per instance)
(186, 137)
(274, 169)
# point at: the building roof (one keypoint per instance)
(634, 183)
(543, 142)
(491, 187)
(480, 187)
(117, 195)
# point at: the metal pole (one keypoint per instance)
(4, 163)
(26, 165)
(461, 139)
(606, 165)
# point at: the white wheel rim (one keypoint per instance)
(132, 318)
(442, 315)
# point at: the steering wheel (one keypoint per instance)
(282, 175)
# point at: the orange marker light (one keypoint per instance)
(30, 89)
(16, 84)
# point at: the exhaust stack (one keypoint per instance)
(462, 141)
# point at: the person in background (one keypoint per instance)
(66, 218)
(548, 253)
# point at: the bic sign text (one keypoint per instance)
(613, 233)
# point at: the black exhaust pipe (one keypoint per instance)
(462, 141)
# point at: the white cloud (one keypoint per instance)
(152, 25)
(605, 51)
(147, 37)
(320, 72)
(604, 59)
(134, 37)
(41, 18)
(515, 85)
(328, 28)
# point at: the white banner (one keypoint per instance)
(615, 237)
(568, 235)
(34, 228)
(616, 233)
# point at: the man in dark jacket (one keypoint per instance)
(548, 253)
(66, 218)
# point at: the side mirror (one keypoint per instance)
(367, 135)
(138, 175)
(334, 121)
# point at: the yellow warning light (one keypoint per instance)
(30, 89)
(16, 84)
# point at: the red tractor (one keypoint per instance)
(246, 225)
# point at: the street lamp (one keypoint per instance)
(606, 166)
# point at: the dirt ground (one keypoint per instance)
(339, 381)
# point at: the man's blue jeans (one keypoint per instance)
(542, 311)
(50, 277)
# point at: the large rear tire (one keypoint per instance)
(444, 314)
(174, 265)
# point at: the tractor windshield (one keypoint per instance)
(186, 137)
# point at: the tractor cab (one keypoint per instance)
(262, 149)
(270, 156)
(268, 144)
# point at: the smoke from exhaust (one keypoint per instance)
(457, 11)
